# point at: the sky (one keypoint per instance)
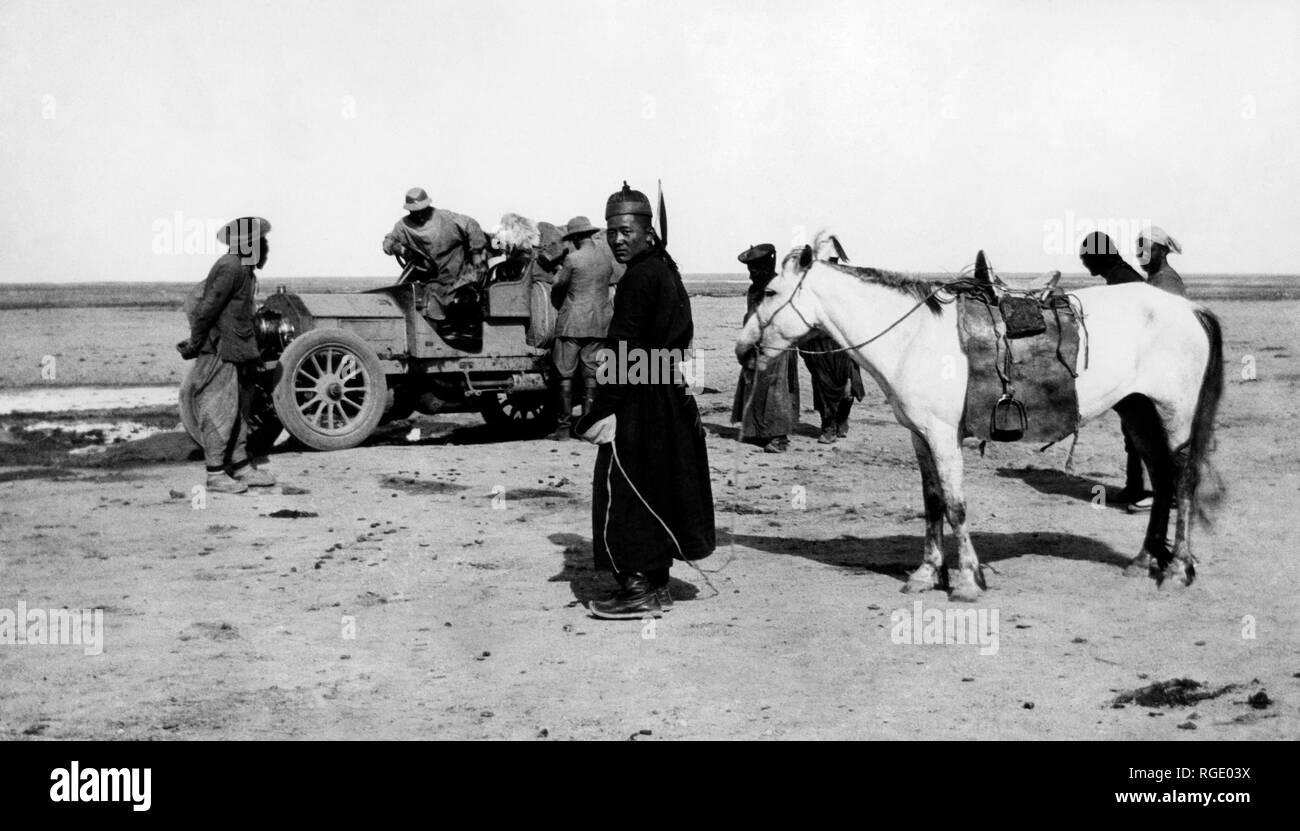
(917, 132)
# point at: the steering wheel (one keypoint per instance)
(412, 262)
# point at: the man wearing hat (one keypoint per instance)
(767, 406)
(1153, 248)
(221, 340)
(450, 247)
(652, 500)
(582, 285)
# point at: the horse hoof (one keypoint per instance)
(1139, 566)
(1176, 576)
(915, 585)
(965, 588)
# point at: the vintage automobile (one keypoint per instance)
(337, 365)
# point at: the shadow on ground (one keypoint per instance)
(589, 584)
(897, 555)
(1059, 483)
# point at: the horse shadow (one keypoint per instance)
(732, 432)
(589, 583)
(1055, 482)
(897, 555)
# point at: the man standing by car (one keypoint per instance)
(450, 247)
(223, 342)
(652, 499)
(583, 283)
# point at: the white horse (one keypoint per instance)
(1152, 356)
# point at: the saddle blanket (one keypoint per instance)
(1038, 370)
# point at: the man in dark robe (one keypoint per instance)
(1101, 257)
(652, 500)
(836, 382)
(767, 406)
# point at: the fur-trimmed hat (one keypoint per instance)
(628, 201)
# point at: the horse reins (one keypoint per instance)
(934, 295)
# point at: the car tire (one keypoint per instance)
(524, 413)
(330, 389)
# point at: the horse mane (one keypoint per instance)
(904, 283)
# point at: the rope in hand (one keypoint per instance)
(609, 502)
(749, 398)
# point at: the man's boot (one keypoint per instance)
(637, 598)
(829, 433)
(564, 404)
(253, 477)
(221, 482)
(588, 394)
(1134, 486)
(665, 598)
(842, 417)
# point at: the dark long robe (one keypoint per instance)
(774, 408)
(659, 438)
(1118, 271)
(836, 378)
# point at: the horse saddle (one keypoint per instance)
(1022, 347)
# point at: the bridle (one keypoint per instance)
(762, 326)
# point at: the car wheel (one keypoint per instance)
(523, 412)
(330, 390)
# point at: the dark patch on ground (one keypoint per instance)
(213, 630)
(27, 473)
(1176, 692)
(1260, 700)
(537, 493)
(50, 449)
(739, 508)
(289, 513)
(408, 484)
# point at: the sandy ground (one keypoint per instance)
(416, 604)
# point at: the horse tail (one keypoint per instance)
(1201, 443)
